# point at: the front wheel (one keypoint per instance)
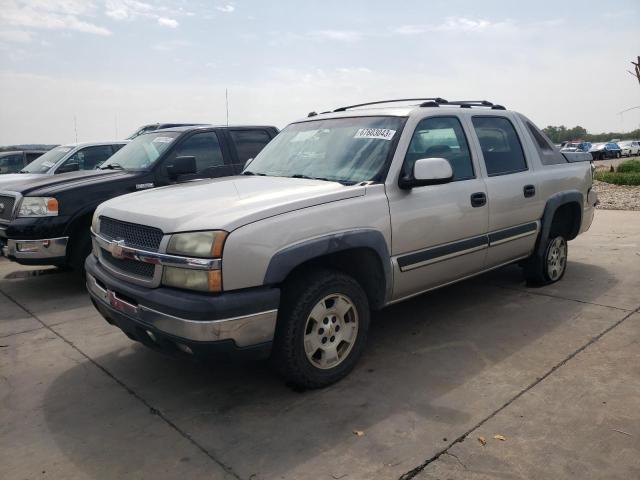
(552, 266)
(322, 328)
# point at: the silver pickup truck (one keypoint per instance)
(342, 213)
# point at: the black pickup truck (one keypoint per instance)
(47, 221)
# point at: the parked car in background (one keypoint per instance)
(45, 221)
(342, 213)
(629, 148)
(65, 158)
(12, 162)
(577, 146)
(152, 127)
(603, 151)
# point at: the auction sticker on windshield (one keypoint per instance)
(379, 133)
(163, 140)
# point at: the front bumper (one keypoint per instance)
(36, 252)
(171, 319)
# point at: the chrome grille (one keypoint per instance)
(6, 207)
(136, 236)
(132, 267)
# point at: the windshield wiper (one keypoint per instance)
(247, 172)
(112, 166)
(299, 175)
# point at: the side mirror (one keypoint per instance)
(428, 171)
(68, 167)
(182, 166)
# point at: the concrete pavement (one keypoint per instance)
(487, 356)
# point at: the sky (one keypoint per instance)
(97, 70)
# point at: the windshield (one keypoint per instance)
(142, 152)
(43, 163)
(348, 150)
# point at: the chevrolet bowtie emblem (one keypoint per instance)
(117, 248)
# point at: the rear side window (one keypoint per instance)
(90, 157)
(31, 156)
(248, 143)
(548, 154)
(440, 137)
(500, 145)
(205, 147)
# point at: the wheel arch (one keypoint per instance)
(563, 207)
(363, 254)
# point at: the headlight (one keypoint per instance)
(38, 207)
(94, 222)
(195, 244)
(198, 244)
(201, 280)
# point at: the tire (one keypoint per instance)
(322, 328)
(552, 267)
(80, 250)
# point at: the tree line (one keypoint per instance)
(562, 134)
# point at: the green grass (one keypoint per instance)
(619, 178)
(629, 166)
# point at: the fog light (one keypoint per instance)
(27, 247)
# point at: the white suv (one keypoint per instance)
(342, 213)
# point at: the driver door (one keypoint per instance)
(439, 232)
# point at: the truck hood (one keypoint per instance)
(43, 185)
(224, 203)
(11, 178)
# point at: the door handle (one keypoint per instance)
(529, 191)
(478, 199)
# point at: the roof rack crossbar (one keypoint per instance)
(472, 103)
(436, 99)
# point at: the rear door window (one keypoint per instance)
(501, 147)
(248, 143)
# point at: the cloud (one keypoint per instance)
(227, 8)
(16, 36)
(338, 35)
(463, 24)
(50, 15)
(167, 22)
(409, 30)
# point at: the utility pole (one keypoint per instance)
(226, 100)
(75, 127)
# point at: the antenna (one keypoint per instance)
(115, 120)
(75, 127)
(226, 99)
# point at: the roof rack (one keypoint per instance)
(476, 103)
(435, 100)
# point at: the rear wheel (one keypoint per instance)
(322, 328)
(550, 268)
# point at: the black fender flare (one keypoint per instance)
(556, 201)
(285, 260)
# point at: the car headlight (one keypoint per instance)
(207, 244)
(38, 207)
(94, 222)
(198, 244)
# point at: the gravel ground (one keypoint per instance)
(617, 197)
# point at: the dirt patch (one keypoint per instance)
(617, 197)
